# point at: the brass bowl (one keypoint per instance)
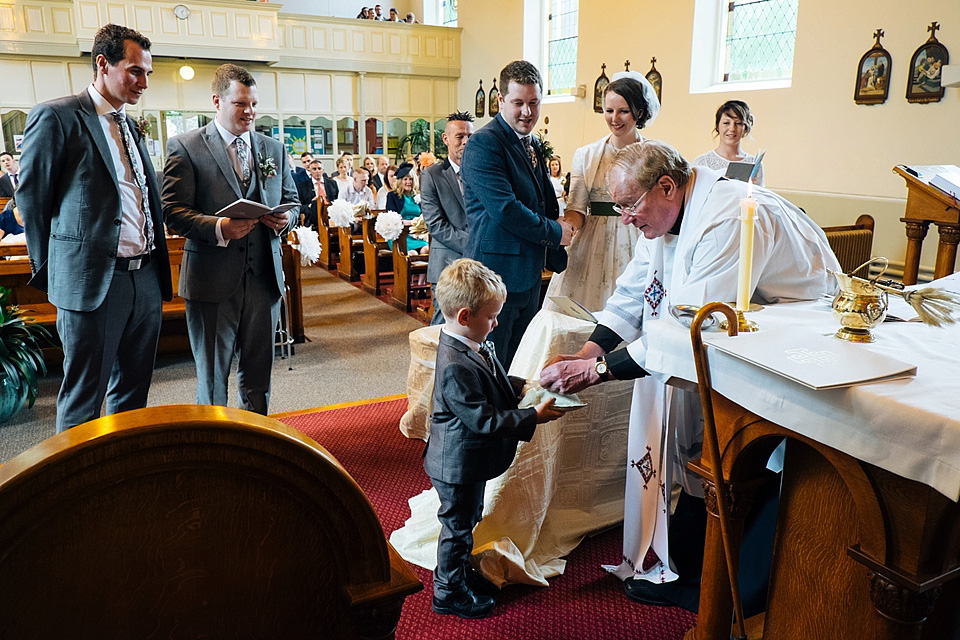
(860, 306)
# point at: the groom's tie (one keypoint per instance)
(531, 152)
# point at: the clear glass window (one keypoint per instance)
(758, 40)
(562, 30)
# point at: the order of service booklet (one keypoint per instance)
(249, 209)
(814, 360)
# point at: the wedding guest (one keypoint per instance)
(370, 164)
(405, 200)
(342, 176)
(389, 184)
(10, 177)
(348, 159)
(733, 123)
(411, 19)
(357, 191)
(394, 16)
(557, 179)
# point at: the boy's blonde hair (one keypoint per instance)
(467, 284)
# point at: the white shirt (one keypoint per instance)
(351, 195)
(133, 242)
(474, 345)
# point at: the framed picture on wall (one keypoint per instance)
(923, 83)
(873, 74)
(655, 79)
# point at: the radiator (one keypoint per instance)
(853, 248)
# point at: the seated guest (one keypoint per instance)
(356, 191)
(389, 184)
(318, 188)
(405, 200)
(11, 224)
(302, 173)
(733, 123)
(363, 14)
(348, 159)
(10, 177)
(370, 164)
(689, 254)
(342, 176)
(382, 163)
(411, 19)
(378, 13)
(394, 16)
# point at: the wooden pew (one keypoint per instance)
(192, 521)
(351, 265)
(405, 269)
(377, 258)
(329, 239)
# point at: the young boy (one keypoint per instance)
(474, 429)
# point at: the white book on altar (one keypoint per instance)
(814, 360)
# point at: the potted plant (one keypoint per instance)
(21, 357)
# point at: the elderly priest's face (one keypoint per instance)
(652, 211)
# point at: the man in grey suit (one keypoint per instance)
(231, 276)
(94, 231)
(441, 201)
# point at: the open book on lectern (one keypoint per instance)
(248, 209)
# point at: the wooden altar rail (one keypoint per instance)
(192, 520)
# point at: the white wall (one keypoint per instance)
(826, 153)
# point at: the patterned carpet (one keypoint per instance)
(585, 603)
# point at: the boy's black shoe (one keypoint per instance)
(478, 584)
(646, 592)
(467, 605)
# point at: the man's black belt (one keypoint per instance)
(134, 263)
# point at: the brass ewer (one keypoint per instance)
(860, 305)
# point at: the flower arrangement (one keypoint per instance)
(341, 213)
(308, 243)
(268, 167)
(389, 224)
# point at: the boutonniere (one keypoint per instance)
(143, 126)
(268, 168)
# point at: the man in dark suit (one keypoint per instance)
(302, 173)
(231, 277)
(441, 201)
(308, 191)
(95, 232)
(511, 206)
(10, 178)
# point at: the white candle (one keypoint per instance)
(748, 208)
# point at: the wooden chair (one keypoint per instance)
(377, 258)
(329, 239)
(405, 269)
(191, 521)
(852, 244)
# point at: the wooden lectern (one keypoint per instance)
(926, 204)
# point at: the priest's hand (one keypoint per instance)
(570, 376)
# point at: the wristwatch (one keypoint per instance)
(602, 369)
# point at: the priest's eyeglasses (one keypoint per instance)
(632, 209)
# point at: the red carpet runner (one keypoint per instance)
(585, 603)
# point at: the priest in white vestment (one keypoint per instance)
(689, 254)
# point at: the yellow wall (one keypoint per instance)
(824, 152)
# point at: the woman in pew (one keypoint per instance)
(733, 123)
(603, 246)
(342, 176)
(388, 186)
(405, 200)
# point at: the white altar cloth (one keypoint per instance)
(910, 427)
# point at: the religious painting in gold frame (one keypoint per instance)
(598, 88)
(925, 71)
(873, 74)
(655, 78)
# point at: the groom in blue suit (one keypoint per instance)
(91, 208)
(231, 276)
(511, 207)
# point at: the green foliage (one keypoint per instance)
(21, 356)
(546, 149)
(419, 140)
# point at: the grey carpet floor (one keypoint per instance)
(357, 349)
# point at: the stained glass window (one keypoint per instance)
(562, 28)
(758, 40)
(448, 13)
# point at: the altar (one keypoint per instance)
(868, 531)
